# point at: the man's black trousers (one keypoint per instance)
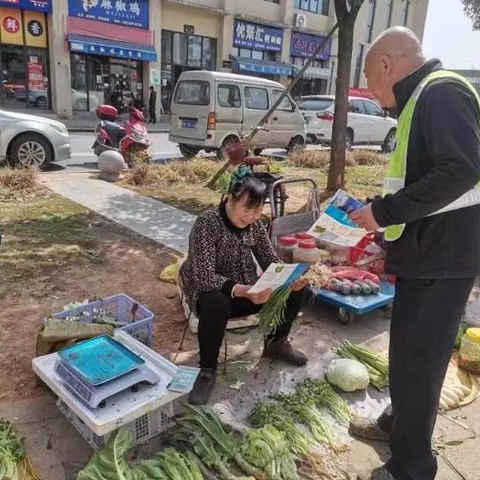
(425, 320)
(152, 114)
(216, 308)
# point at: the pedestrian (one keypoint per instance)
(220, 270)
(152, 101)
(431, 214)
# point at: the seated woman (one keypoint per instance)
(220, 270)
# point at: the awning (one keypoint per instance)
(97, 46)
(315, 73)
(245, 65)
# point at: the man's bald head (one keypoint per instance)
(395, 54)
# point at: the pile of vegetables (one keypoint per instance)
(12, 454)
(347, 374)
(376, 363)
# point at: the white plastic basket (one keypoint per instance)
(141, 429)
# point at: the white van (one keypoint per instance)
(212, 109)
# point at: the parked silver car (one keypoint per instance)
(31, 141)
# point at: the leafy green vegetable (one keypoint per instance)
(11, 450)
(272, 313)
(109, 463)
(377, 364)
(268, 449)
(463, 327)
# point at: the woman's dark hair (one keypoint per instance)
(245, 184)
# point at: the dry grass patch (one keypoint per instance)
(320, 159)
(17, 182)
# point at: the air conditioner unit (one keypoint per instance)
(300, 20)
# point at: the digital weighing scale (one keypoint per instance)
(99, 368)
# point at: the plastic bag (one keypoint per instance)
(169, 274)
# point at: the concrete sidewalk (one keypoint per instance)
(85, 121)
(148, 217)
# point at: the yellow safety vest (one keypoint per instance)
(397, 166)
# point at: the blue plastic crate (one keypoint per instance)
(137, 319)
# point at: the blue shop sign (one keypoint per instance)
(257, 37)
(132, 13)
(44, 6)
(303, 45)
(98, 46)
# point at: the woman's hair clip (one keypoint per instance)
(240, 175)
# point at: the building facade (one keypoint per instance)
(72, 55)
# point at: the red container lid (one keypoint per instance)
(303, 236)
(307, 244)
(288, 241)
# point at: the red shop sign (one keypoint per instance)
(11, 24)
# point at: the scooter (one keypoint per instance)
(130, 140)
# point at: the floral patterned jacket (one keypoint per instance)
(220, 255)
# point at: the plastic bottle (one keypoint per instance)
(306, 252)
(469, 357)
(285, 248)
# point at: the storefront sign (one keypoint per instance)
(35, 29)
(44, 6)
(154, 76)
(133, 13)
(35, 76)
(265, 68)
(99, 47)
(361, 92)
(11, 26)
(257, 37)
(304, 45)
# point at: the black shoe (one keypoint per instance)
(203, 387)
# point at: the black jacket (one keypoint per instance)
(443, 162)
(152, 99)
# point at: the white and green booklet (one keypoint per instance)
(279, 275)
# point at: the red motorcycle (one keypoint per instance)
(131, 139)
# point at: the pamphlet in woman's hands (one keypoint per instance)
(279, 275)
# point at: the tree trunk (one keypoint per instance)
(336, 173)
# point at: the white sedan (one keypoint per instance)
(31, 141)
(367, 123)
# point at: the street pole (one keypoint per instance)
(279, 100)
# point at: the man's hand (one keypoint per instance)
(299, 284)
(364, 218)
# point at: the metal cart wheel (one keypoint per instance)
(345, 317)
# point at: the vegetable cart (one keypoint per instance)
(349, 306)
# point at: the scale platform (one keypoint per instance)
(123, 407)
(96, 395)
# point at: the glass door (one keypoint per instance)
(98, 78)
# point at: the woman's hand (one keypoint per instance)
(299, 284)
(258, 298)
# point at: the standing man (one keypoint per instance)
(152, 103)
(431, 215)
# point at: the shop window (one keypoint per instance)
(256, 98)
(194, 58)
(286, 104)
(166, 46)
(315, 6)
(180, 43)
(192, 92)
(229, 96)
(255, 54)
(209, 51)
(14, 80)
(389, 13)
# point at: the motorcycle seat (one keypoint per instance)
(116, 131)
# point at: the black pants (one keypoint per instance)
(216, 308)
(426, 316)
(151, 114)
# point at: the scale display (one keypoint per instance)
(100, 359)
